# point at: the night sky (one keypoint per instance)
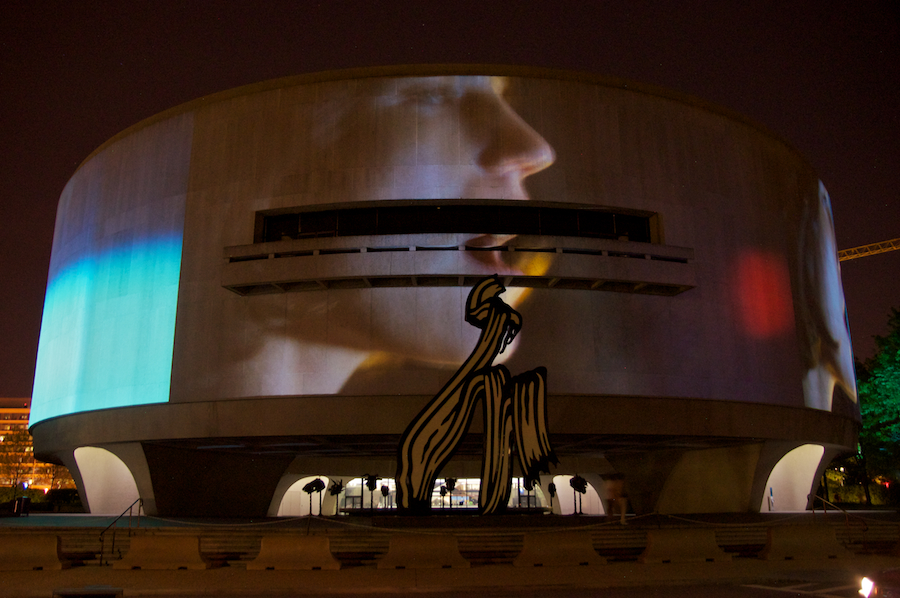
(825, 76)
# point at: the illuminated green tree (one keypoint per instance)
(879, 401)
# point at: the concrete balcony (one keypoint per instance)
(457, 260)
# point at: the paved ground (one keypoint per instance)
(193, 585)
(739, 578)
(679, 591)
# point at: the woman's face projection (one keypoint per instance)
(436, 138)
(426, 138)
(163, 202)
(366, 142)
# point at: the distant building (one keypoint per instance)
(14, 414)
(17, 463)
(269, 284)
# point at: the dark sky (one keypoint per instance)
(823, 75)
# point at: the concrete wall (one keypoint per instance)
(151, 299)
(735, 198)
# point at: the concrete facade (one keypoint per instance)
(207, 356)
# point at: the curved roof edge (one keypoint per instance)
(413, 70)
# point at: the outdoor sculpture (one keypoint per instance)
(317, 485)
(512, 405)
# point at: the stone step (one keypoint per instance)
(361, 545)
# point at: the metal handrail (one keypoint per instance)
(129, 510)
(847, 514)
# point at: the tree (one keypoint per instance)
(879, 403)
(16, 459)
(57, 476)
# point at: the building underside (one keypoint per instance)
(183, 472)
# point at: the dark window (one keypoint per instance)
(632, 228)
(318, 224)
(354, 223)
(517, 219)
(477, 219)
(281, 225)
(520, 221)
(438, 219)
(397, 221)
(558, 222)
(597, 224)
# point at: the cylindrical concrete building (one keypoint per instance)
(270, 283)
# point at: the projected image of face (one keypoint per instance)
(402, 138)
(434, 137)
(144, 222)
(828, 353)
(362, 143)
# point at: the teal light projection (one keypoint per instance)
(108, 329)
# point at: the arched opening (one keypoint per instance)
(297, 503)
(567, 501)
(109, 486)
(791, 480)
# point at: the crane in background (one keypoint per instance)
(867, 250)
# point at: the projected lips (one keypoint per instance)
(496, 260)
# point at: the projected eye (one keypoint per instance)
(434, 97)
(431, 97)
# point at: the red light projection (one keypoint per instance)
(763, 294)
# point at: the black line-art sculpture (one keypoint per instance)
(512, 404)
(317, 485)
(579, 485)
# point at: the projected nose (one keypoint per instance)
(514, 146)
